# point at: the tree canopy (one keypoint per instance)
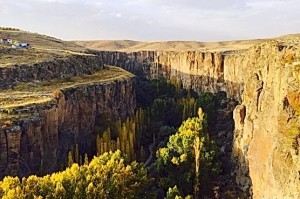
(181, 156)
(106, 176)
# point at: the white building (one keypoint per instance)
(6, 41)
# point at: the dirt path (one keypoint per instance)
(151, 152)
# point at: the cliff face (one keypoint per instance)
(201, 71)
(266, 81)
(39, 144)
(267, 123)
(73, 65)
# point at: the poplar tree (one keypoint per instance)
(70, 159)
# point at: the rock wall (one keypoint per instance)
(265, 79)
(201, 71)
(267, 123)
(39, 144)
(138, 62)
(73, 65)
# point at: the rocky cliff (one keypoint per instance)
(39, 142)
(201, 71)
(72, 65)
(267, 123)
(265, 79)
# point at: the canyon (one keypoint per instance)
(39, 142)
(264, 78)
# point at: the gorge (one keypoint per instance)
(264, 79)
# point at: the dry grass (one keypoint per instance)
(133, 46)
(41, 41)
(15, 102)
(11, 57)
(25, 94)
(22, 99)
(44, 48)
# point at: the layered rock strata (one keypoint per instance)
(39, 143)
(201, 71)
(265, 79)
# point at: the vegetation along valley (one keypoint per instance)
(159, 116)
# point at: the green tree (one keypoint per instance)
(180, 156)
(86, 159)
(106, 176)
(70, 159)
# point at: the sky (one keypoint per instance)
(153, 20)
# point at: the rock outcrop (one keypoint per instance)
(267, 124)
(39, 144)
(265, 79)
(72, 65)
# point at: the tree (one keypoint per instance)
(197, 148)
(181, 155)
(77, 154)
(70, 159)
(106, 176)
(86, 159)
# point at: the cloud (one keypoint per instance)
(191, 4)
(266, 4)
(154, 19)
(116, 14)
(53, 1)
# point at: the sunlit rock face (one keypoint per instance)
(265, 79)
(267, 126)
(40, 143)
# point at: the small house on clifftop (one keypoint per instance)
(6, 41)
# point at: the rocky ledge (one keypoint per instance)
(63, 67)
(41, 121)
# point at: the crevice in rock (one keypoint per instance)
(222, 132)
